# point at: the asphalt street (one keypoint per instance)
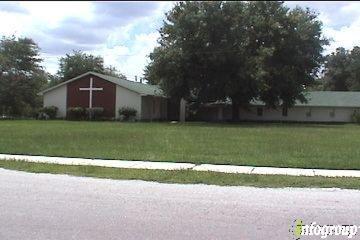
(45, 206)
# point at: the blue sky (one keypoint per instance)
(124, 33)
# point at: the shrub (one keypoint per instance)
(95, 113)
(76, 113)
(356, 117)
(127, 113)
(47, 112)
(43, 116)
(6, 117)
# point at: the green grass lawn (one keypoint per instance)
(259, 144)
(185, 176)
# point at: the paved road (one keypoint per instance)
(44, 206)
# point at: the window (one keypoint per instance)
(259, 111)
(284, 111)
(332, 113)
(308, 113)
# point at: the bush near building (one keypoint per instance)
(127, 113)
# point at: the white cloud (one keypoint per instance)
(324, 18)
(351, 8)
(131, 60)
(13, 23)
(119, 35)
(111, 55)
(135, 64)
(346, 36)
(52, 13)
(51, 62)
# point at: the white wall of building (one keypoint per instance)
(297, 114)
(148, 108)
(127, 98)
(57, 97)
(318, 114)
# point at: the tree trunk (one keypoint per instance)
(182, 113)
(235, 111)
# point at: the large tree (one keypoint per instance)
(354, 80)
(238, 50)
(77, 63)
(342, 70)
(21, 76)
(113, 71)
(336, 72)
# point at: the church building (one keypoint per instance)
(92, 89)
(111, 93)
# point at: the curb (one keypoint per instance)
(183, 166)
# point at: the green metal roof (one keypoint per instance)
(141, 88)
(327, 99)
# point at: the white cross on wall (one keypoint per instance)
(91, 89)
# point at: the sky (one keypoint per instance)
(124, 33)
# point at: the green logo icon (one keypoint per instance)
(296, 228)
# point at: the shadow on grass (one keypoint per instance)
(248, 124)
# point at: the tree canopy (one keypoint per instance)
(78, 62)
(238, 50)
(342, 70)
(21, 76)
(113, 71)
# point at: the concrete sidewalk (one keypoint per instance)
(183, 166)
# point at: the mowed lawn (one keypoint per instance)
(333, 146)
